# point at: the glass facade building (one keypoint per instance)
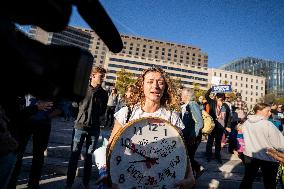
(273, 72)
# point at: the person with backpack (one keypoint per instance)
(220, 113)
(154, 96)
(193, 122)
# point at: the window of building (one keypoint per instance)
(157, 48)
(137, 49)
(251, 86)
(256, 93)
(246, 79)
(246, 98)
(256, 87)
(214, 73)
(225, 75)
(236, 77)
(256, 81)
(220, 74)
(251, 100)
(261, 88)
(241, 85)
(241, 78)
(251, 93)
(236, 84)
(231, 76)
(251, 80)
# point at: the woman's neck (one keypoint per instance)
(150, 106)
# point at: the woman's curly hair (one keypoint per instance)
(169, 100)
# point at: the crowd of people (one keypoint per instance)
(255, 136)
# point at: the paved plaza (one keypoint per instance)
(226, 176)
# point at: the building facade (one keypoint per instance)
(273, 72)
(69, 37)
(251, 87)
(188, 75)
(186, 62)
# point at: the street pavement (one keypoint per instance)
(225, 176)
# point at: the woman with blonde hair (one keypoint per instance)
(259, 135)
(154, 96)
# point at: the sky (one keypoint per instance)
(226, 30)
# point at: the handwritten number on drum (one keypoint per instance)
(153, 127)
(118, 160)
(125, 142)
(121, 178)
(138, 131)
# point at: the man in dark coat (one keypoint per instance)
(87, 126)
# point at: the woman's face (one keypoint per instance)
(265, 112)
(154, 86)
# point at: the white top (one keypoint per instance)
(260, 134)
(138, 113)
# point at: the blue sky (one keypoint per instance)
(224, 29)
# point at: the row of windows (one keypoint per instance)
(162, 57)
(231, 77)
(159, 42)
(72, 36)
(251, 86)
(76, 32)
(136, 75)
(164, 67)
(172, 74)
(69, 43)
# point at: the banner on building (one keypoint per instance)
(221, 89)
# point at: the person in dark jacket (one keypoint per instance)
(220, 113)
(38, 126)
(87, 126)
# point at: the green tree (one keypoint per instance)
(197, 91)
(269, 98)
(279, 100)
(177, 84)
(123, 79)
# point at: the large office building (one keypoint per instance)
(273, 72)
(251, 87)
(188, 75)
(185, 62)
(71, 37)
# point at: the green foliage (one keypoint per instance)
(197, 91)
(177, 85)
(123, 79)
(279, 100)
(269, 98)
